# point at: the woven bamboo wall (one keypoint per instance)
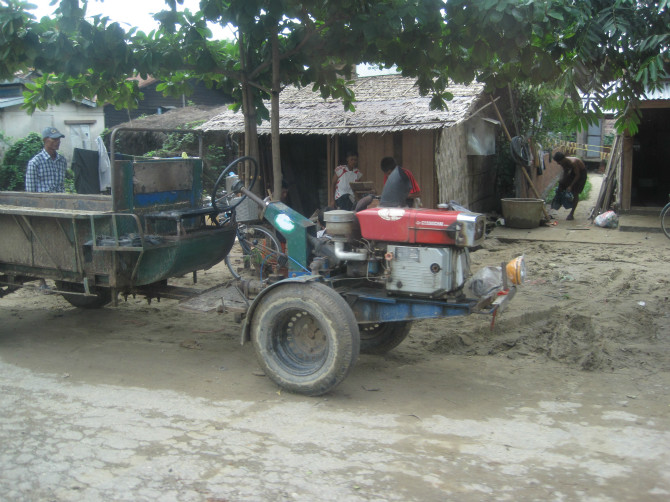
(451, 161)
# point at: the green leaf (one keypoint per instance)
(556, 15)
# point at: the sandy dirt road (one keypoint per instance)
(567, 398)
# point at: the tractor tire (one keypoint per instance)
(380, 338)
(305, 337)
(102, 295)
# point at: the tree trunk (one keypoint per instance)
(274, 121)
(250, 127)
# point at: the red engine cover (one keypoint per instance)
(405, 225)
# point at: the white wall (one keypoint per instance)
(81, 124)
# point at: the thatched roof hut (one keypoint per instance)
(391, 119)
(384, 104)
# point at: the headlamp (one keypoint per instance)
(516, 270)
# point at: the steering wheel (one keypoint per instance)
(222, 201)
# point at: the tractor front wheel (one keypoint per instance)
(306, 337)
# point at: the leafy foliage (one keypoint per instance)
(13, 168)
(557, 122)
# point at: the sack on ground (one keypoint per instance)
(608, 219)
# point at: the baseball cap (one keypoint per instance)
(51, 132)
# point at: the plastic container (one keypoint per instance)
(522, 213)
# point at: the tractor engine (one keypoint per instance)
(416, 252)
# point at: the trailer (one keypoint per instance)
(153, 226)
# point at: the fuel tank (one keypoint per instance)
(422, 226)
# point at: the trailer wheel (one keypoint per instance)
(5, 290)
(380, 338)
(306, 337)
(102, 295)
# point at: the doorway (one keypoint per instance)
(651, 151)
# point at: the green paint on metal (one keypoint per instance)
(295, 228)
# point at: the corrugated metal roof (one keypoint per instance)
(7, 102)
(18, 100)
(384, 103)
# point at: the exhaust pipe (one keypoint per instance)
(349, 255)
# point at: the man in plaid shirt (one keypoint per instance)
(46, 170)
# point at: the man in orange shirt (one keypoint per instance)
(403, 189)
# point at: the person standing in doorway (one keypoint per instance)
(344, 175)
(46, 170)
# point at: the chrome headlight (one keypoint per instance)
(470, 229)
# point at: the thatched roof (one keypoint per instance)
(150, 138)
(384, 103)
(175, 119)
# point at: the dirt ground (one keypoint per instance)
(565, 398)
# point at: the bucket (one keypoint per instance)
(522, 213)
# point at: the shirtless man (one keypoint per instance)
(573, 180)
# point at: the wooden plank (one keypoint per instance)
(330, 168)
(48, 212)
(613, 166)
(371, 149)
(58, 201)
(626, 173)
(418, 156)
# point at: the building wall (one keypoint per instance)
(371, 149)
(469, 180)
(451, 166)
(80, 124)
(418, 155)
(414, 150)
(590, 151)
